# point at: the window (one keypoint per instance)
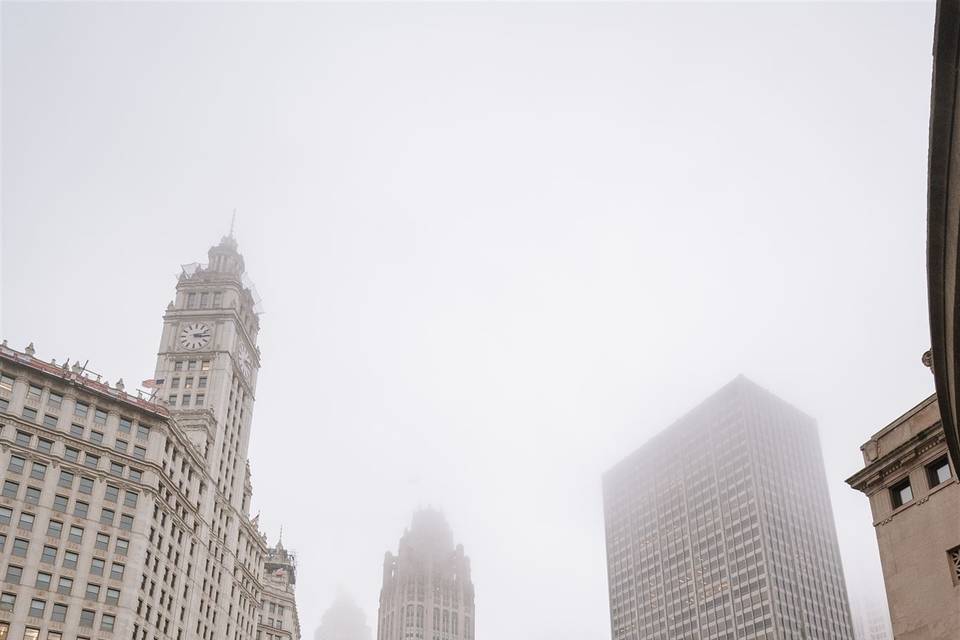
(66, 479)
(5, 515)
(24, 438)
(100, 416)
(16, 464)
(65, 586)
(6, 383)
(93, 592)
(191, 300)
(121, 546)
(113, 596)
(81, 409)
(86, 618)
(177, 366)
(75, 535)
(8, 601)
(107, 516)
(140, 453)
(43, 580)
(112, 494)
(938, 472)
(125, 424)
(55, 400)
(96, 566)
(142, 431)
(191, 365)
(20, 547)
(70, 559)
(175, 383)
(116, 571)
(3, 541)
(33, 392)
(188, 382)
(202, 382)
(59, 612)
(120, 445)
(106, 622)
(86, 485)
(54, 528)
(80, 509)
(901, 493)
(14, 573)
(38, 471)
(200, 399)
(116, 468)
(30, 413)
(186, 400)
(91, 460)
(32, 495)
(37, 607)
(60, 503)
(953, 556)
(77, 430)
(103, 541)
(71, 455)
(205, 365)
(96, 437)
(49, 555)
(26, 521)
(49, 421)
(4, 405)
(31, 633)
(135, 474)
(130, 499)
(126, 522)
(44, 446)
(172, 400)
(10, 489)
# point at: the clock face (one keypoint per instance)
(195, 335)
(243, 356)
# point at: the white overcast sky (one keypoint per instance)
(499, 247)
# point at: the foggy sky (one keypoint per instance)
(499, 247)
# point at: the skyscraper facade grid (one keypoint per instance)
(720, 527)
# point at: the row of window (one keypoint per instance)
(72, 454)
(937, 473)
(58, 613)
(32, 633)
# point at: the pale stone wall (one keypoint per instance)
(923, 588)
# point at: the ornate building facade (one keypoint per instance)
(427, 591)
(720, 527)
(127, 516)
(915, 501)
(279, 619)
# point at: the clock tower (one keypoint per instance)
(208, 362)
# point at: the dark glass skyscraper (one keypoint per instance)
(720, 528)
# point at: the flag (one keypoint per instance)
(152, 384)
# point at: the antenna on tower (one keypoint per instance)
(233, 221)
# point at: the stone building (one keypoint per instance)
(124, 515)
(279, 619)
(915, 502)
(427, 592)
(720, 527)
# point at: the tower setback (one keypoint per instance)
(427, 592)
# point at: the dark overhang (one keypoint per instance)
(943, 219)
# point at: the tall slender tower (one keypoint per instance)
(721, 527)
(427, 592)
(208, 362)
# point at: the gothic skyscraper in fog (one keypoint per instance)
(720, 528)
(427, 592)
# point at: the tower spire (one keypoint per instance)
(233, 220)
